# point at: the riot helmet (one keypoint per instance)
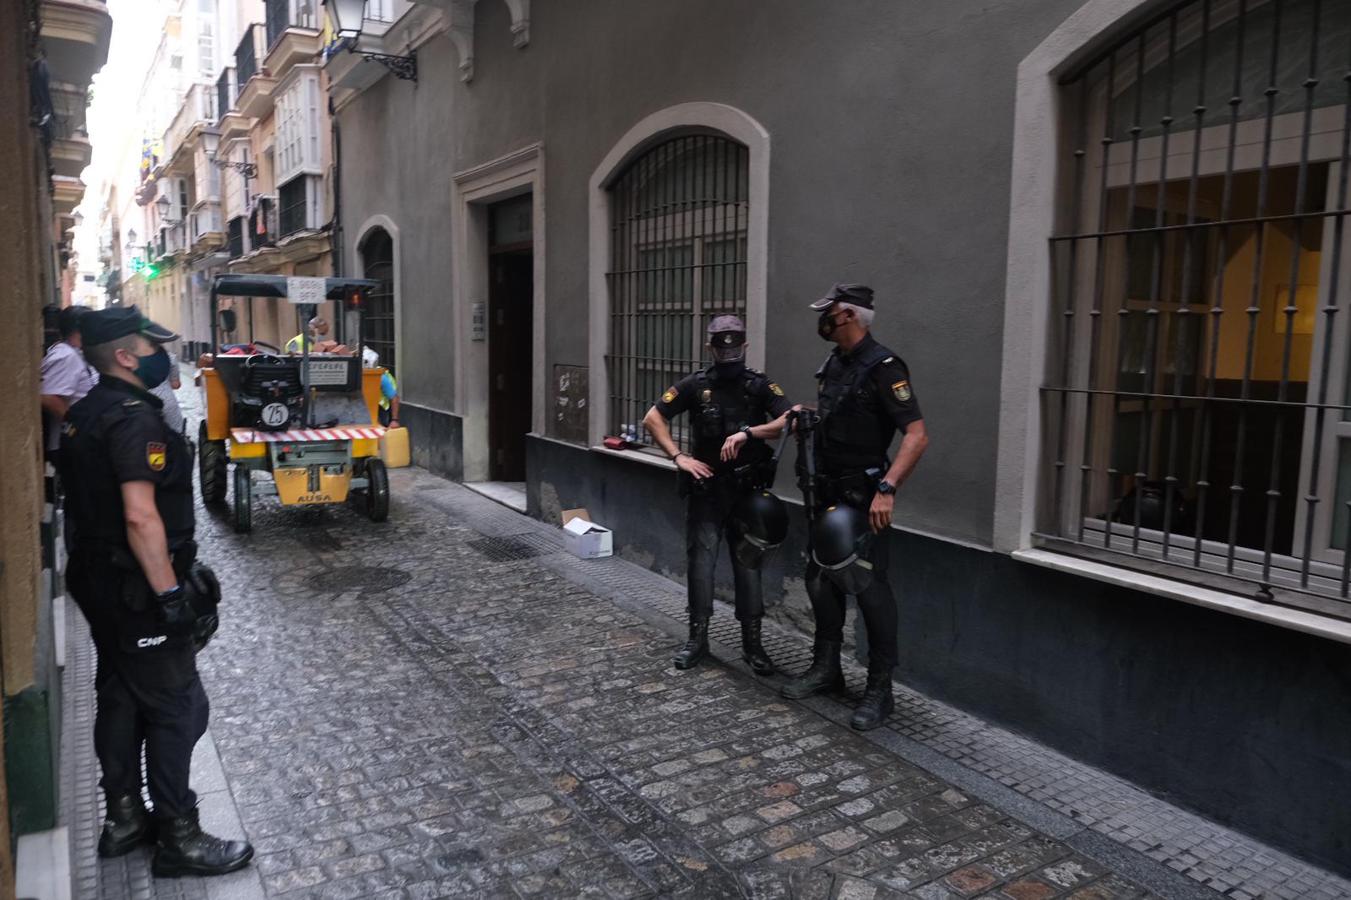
(841, 540)
(759, 524)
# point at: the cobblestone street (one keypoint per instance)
(449, 705)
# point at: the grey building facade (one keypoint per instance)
(571, 187)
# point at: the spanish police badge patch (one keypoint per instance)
(775, 389)
(670, 395)
(154, 455)
(902, 391)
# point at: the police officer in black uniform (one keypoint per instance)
(132, 571)
(864, 397)
(734, 410)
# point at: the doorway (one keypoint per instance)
(510, 315)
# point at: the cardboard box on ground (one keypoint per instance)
(584, 538)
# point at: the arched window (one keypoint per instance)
(377, 262)
(1201, 369)
(679, 215)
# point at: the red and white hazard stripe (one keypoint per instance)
(302, 435)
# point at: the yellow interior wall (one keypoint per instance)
(1269, 343)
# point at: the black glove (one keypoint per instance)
(205, 603)
(175, 611)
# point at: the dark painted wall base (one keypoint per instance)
(29, 751)
(1243, 722)
(436, 440)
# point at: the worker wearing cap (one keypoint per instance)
(734, 409)
(864, 397)
(132, 571)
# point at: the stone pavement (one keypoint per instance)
(449, 705)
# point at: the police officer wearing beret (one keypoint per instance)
(734, 410)
(864, 398)
(150, 606)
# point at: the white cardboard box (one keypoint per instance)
(584, 538)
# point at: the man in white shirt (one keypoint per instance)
(66, 377)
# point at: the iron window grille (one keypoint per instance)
(236, 237)
(283, 14)
(294, 202)
(251, 48)
(377, 257)
(679, 215)
(225, 94)
(1199, 401)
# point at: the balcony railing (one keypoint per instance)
(250, 50)
(199, 105)
(284, 14)
(225, 92)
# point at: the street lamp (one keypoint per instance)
(163, 204)
(79, 219)
(349, 16)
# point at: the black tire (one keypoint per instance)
(377, 491)
(212, 466)
(243, 500)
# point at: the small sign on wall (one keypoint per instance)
(478, 321)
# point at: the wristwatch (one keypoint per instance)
(885, 487)
(746, 430)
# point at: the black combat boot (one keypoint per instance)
(752, 651)
(877, 702)
(127, 825)
(824, 674)
(185, 849)
(696, 648)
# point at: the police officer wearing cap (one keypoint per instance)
(149, 604)
(734, 410)
(864, 398)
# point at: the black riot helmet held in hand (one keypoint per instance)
(760, 522)
(841, 539)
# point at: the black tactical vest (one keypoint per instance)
(94, 494)
(722, 408)
(854, 432)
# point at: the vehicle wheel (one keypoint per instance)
(377, 491)
(243, 500)
(211, 467)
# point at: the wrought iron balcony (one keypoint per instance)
(284, 14)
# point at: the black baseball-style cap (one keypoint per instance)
(855, 294)
(104, 325)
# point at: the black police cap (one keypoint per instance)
(104, 325)
(855, 294)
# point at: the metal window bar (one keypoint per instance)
(293, 202)
(677, 258)
(1199, 414)
(235, 242)
(252, 47)
(225, 98)
(377, 255)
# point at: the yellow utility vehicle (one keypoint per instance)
(308, 420)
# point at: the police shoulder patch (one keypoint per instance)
(155, 455)
(775, 389)
(901, 390)
(670, 395)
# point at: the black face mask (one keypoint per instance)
(826, 325)
(731, 369)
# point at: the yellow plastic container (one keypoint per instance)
(394, 448)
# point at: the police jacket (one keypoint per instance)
(864, 396)
(721, 406)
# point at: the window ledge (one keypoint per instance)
(649, 459)
(1280, 616)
